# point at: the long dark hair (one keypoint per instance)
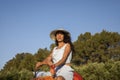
(67, 39)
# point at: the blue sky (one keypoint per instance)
(25, 24)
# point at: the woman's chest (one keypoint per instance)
(58, 53)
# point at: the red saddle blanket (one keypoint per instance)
(77, 76)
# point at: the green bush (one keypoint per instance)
(25, 75)
(99, 71)
(16, 75)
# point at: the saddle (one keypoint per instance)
(76, 76)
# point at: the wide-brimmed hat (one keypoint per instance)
(53, 33)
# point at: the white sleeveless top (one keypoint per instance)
(58, 54)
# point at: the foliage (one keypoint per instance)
(16, 75)
(99, 71)
(97, 57)
(97, 48)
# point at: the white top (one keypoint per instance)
(58, 54)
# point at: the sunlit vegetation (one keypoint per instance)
(96, 57)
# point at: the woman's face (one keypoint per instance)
(59, 37)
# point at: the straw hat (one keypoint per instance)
(52, 34)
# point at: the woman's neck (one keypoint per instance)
(60, 44)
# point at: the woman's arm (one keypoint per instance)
(46, 61)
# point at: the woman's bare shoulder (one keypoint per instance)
(67, 44)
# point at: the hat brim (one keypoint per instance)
(52, 34)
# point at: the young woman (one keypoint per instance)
(61, 55)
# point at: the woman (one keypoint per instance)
(60, 56)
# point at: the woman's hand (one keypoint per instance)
(38, 64)
(52, 70)
(49, 63)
